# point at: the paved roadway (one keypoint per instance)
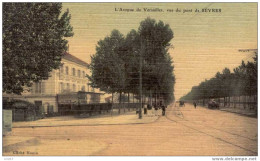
(184, 131)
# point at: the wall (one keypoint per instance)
(46, 100)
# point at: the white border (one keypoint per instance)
(115, 158)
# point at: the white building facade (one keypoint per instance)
(71, 77)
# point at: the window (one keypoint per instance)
(78, 73)
(68, 87)
(83, 88)
(73, 71)
(38, 104)
(61, 69)
(74, 88)
(39, 87)
(67, 70)
(43, 87)
(61, 87)
(83, 74)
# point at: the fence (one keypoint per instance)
(94, 109)
(244, 102)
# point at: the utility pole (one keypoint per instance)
(140, 79)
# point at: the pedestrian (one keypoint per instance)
(163, 110)
(195, 104)
(182, 103)
(156, 108)
(145, 109)
(149, 108)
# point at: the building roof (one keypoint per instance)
(74, 59)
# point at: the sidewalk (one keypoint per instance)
(11, 142)
(104, 119)
(247, 112)
(240, 111)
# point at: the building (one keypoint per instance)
(80, 97)
(70, 78)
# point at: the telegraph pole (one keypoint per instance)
(140, 79)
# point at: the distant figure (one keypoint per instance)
(161, 104)
(156, 108)
(195, 104)
(182, 103)
(149, 108)
(145, 109)
(163, 110)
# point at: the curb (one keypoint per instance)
(239, 113)
(86, 124)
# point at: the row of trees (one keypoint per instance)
(33, 42)
(33, 45)
(242, 81)
(116, 65)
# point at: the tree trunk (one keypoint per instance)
(119, 108)
(156, 98)
(235, 101)
(124, 102)
(150, 100)
(228, 101)
(128, 106)
(112, 103)
(238, 101)
(244, 103)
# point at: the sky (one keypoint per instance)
(204, 42)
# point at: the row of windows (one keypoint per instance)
(73, 71)
(40, 88)
(67, 87)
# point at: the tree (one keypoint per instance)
(33, 42)
(157, 65)
(243, 81)
(132, 45)
(251, 77)
(116, 65)
(107, 66)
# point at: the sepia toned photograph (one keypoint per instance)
(130, 79)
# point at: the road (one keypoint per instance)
(184, 131)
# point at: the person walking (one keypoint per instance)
(145, 109)
(163, 110)
(156, 109)
(148, 109)
(195, 104)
